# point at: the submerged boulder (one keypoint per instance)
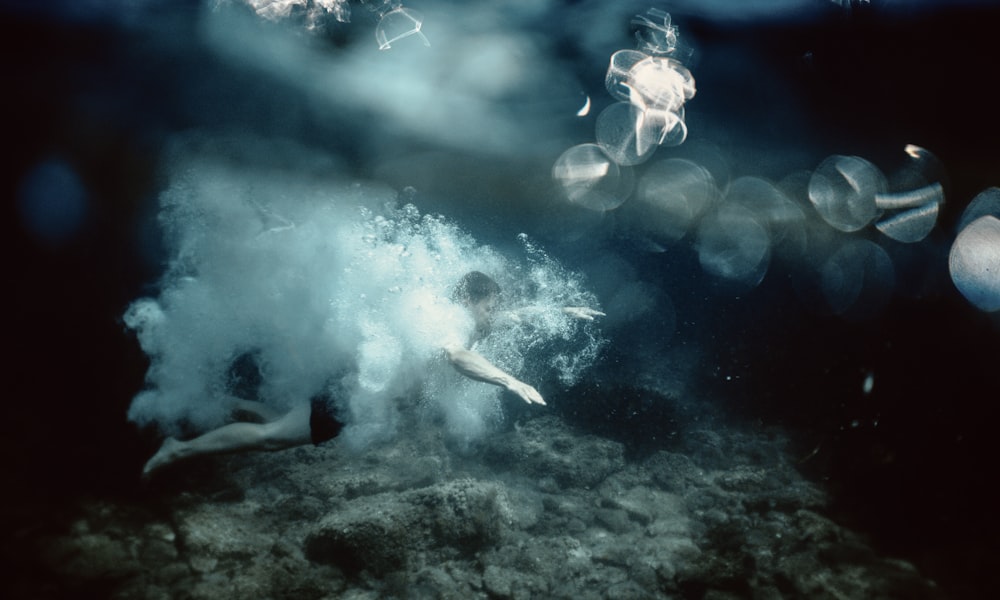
(381, 533)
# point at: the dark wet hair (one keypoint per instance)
(474, 287)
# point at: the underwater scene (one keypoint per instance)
(580, 299)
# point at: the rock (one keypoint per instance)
(497, 581)
(546, 447)
(381, 533)
(211, 533)
(674, 472)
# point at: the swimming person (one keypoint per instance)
(318, 420)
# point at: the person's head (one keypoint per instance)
(479, 293)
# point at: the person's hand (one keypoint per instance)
(582, 312)
(526, 392)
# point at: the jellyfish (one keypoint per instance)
(398, 24)
(589, 178)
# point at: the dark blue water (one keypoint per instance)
(910, 462)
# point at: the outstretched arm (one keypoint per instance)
(582, 312)
(474, 366)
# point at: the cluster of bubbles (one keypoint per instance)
(824, 222)
(313, 12)
(651, 85)
(313, 276)
(395, 22)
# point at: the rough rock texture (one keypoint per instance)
(540, 511)
(382, 533)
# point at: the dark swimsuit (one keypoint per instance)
(323, 423)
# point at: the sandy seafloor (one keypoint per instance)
(732, 440)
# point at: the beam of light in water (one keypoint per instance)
(843, 189)
(455, 94)
(974, 263)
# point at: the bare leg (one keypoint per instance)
(257, 411)
(290, 430)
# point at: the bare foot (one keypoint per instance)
(168, 453)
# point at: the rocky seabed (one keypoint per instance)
(538, 511)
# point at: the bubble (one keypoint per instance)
(397, 25)
(974, 263)
(617, 78)
(911, 225)
(733, 245)
(671, 195)
(843, 189)
(987, 202)
(589, 178)
(622, 133)
(857, 280)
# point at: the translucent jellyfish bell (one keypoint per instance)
(927, 194)
(974, 263)
(589, 178)
(617, 78)
(671, 195)
(399, 24)
(987, 202)
(858, 280)
(733, 245)
(657, 35)
(783, 218)
(913, 224)
(843, 190)
(661, 83)
(623, 133)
